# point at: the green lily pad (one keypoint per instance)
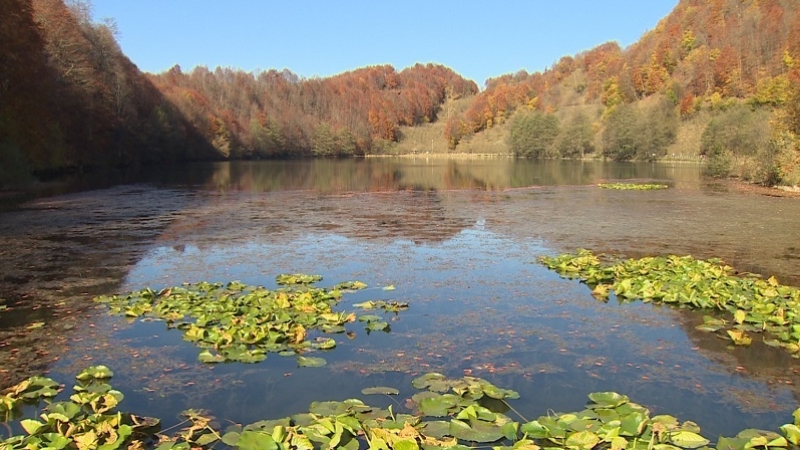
(608, 399)
(297, 278)
(583, 440)
(437, 428)
(310, 361)
(378, 326)
(687, 439)
(95, 372)
(207, 357)
(380, 390)
(255, 440)
(439, 406)
(476, 431)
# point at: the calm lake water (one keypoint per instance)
(459, 240)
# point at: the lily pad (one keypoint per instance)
(380, 390)
(608, 399)
(477, 431)
(95, 372)
(310, 361)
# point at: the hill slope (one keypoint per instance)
(682, 88)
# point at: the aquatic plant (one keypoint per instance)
(445, 414)
(87, 421)
(238, 322)
(753, 305)
(632, 186)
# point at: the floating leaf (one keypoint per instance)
(438, 406)
(351, 285)
(31, 426)
(583, 440)
(207, 357)
(739, 337)
(608, 399)
(256, 440)
(792, 433)
(380, 390)
(297, 278)
(478, 431)
(687, 439)
(632, 186)
(95, 372)
(310, 361)
(437, 428)
(378, 326)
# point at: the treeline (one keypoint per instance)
(632, 132)
(272, 113)
(725, 58)
(71, 100)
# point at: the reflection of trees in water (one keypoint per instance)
(415, 216)
(385, 174)
(283, 217)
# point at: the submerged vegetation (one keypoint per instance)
(238, 322)
(445, 414)
(754, 305)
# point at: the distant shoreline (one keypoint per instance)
(463, 155)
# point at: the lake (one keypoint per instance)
(458, 240)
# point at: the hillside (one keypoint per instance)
(718, 80)
(270, 114)
(711, 76)
(71, 100)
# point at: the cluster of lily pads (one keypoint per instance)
(632, 186)
(447, 414)
(88, 421)
(755, 305)
(239, 322)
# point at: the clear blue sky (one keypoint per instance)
(477, 39)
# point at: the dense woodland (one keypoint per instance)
(268, 114)
(71, 101)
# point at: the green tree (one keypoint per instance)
(324, 141)
(577, 138)
(736, 143)
(658, 130)
(267, 139)
(621, 136)
(532, 134)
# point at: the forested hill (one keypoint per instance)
(273, 113)
(69, 98)
(71, 101)
(711, 65)
(717, 78)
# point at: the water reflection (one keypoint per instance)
(456, 237)
(435, 174)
